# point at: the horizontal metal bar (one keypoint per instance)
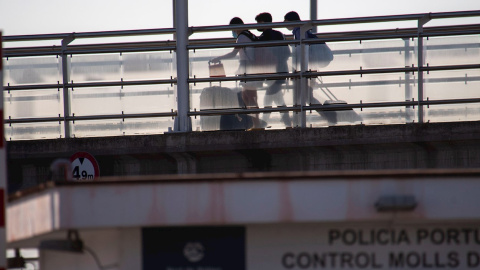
(246, 77)
(319, 107)
(121, 50)
(389, 70)
(394, 34)
(102, 34)
(374, 19)
(121, 116)
(450, 101)
(389, 18)
(217, 28)
(31, 87)
(33, 120)
(35, 37)
(229, 42)
(250, 77)
(450, 67)
(249, 44)
(307, 74)
(332, 107)
(90, 84)
(455, 14)
(120, 33)
(242, 111)
(90, 51)
(120, 83)
(32, 53)
(89, 117)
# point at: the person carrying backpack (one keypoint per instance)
(281, 53)
(319, 54)
(249, 88)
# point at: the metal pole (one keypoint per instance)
(313, 13)
(408, 80)
(421, 23)
(303, 80)
(182, 121)
(66, 79)
(174, 7)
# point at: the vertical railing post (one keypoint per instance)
(313, 13)
(182, 121)
(66, 79)
(303, 69)
(408, 80)
(421, 23)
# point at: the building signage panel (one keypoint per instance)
(311, 246)
(193, 248)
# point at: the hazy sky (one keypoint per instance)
(19, 17)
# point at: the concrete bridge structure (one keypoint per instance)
(341, 148)
(100, 176)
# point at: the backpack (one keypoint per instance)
(264, 59)
(320, 55)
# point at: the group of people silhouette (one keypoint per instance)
(270, 59)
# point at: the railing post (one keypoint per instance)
(182, 121)
(408, 80)
(303, 70)
(313, 13)
(66, 79)
(421, 23)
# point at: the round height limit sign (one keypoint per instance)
(84, 166)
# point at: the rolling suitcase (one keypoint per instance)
(334, 116)
(217, 97)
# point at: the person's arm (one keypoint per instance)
(231, 54)
(242, 38)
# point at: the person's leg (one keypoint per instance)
(274, 94)
(267, 103)
(280, 101)
(249, 96)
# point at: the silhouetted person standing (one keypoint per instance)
(281, 53)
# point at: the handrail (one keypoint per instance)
(413, 72)
(119, 33)
(196, 29)
(357, 20)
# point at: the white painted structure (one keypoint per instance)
(291, 220)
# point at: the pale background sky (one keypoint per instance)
(21, 17)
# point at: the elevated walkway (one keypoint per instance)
(359, 147)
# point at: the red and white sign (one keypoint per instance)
(84, 166)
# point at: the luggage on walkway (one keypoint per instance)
(338, 115)
(217, 97)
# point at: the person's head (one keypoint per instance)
(236, 20)
(291, 16)
(264, 17)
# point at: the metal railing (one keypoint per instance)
(106, 89)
